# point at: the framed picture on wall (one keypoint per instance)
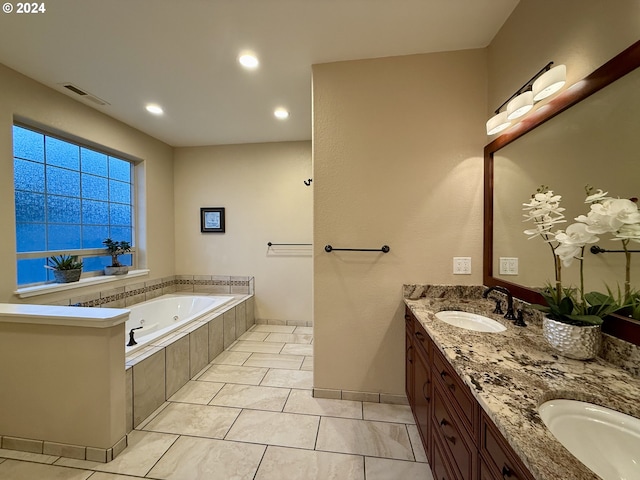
(212, 219)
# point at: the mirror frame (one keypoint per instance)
(618, 326)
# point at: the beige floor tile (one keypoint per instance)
(197, 420)
(249, 396)
(302, 401)
(386, 412)
(270, 428)
(288, 379)
(197, 392)
(295, 464)
(273, 360)
(304, 330)
(234, 374)
(112, 476)
(142, 453)
(258, 347)
(298, 349)
(231, 358)
(17, 470)
(289, 338)
(385, 469)
(307, 364)
(206, 459)
(254, 336)
(376, 439)
(27, 456)
(416, 443)
(273, 328)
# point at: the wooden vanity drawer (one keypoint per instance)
(422, 339)
(458, 444)
(457, 391)
(500, 459)
(440, 469)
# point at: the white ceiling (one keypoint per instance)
(182, 54)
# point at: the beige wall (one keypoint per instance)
(261, 187)
(30, 101)
(398, 161)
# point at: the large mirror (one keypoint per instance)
(587, 135)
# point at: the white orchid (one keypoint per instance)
(610, 215)
(629, 232)
(572, 242)
(545, 211)
(596, 197)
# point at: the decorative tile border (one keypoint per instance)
(131, 294)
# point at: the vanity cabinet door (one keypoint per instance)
(498, 455)
(422, 392)
(409, 367)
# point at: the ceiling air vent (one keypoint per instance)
(85, 95)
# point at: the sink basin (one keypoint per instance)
(470, 321)
(606, 441)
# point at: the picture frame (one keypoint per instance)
(212, 219)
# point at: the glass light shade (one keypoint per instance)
(248, 60)
(497, 123)
(549, 82)
(520, 105)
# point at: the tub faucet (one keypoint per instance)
(509, 315)
(132, 340)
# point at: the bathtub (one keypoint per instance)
(160, 316)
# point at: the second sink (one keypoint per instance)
(470, 321)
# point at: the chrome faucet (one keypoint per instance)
(509, 315)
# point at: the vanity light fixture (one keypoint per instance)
(542, 85)
(549, 82)
(153, 108)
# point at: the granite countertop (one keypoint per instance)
(512, 372)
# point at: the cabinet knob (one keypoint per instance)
(506, 472)
(419, 336)
(450, 386)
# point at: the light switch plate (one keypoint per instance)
(462, 265)
(508, 266)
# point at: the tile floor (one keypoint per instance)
(250, 415)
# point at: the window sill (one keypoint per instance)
(83, 282)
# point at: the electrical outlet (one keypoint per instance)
(508, 266)
(462, 265)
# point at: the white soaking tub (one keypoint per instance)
(160, 316)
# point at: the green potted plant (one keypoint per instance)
(66, 268)
(116, 248)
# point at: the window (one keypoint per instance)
(68, 199)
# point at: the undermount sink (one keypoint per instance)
(606, 441)
(470, 321)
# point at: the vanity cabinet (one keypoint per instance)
(460, 440)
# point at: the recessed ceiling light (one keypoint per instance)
(281, 113)
(248, 60)
(155, 109)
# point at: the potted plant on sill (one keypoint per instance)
(66, 268)
(116, 248)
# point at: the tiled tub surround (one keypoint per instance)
(511, 373)
(156, 371)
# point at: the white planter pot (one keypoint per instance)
(116, 270)
(571, 341)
